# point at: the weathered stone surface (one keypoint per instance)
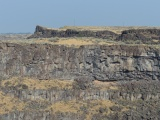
(141, 34)
(106, 63)
(32, 115)
(42, 32)
(139, 98)
(119, 63)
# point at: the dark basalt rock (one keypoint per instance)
(143, 35)
(105, 63)
(42, 32)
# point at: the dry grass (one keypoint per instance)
(37, 84)
(115, 29)
(64, 107)
(96, 105)
(31, 84)
(74, 106)
(106, 85)
(9, 104)
(92, 107)
(72, 41)
(82, 41)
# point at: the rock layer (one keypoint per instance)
(105, 63)
(145, 35)
(42, 32)
(132, 100)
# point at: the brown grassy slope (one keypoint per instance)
(75, 41)
(37, 84)
(80, 107)
(9, 104)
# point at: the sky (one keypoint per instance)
(22, 16)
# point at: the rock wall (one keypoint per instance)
(54, 96)
(141, 100)
(105, 63)
(144, 35)
(42, 32)
(40, 116)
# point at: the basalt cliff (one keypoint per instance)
(46, 81)
(104, 63)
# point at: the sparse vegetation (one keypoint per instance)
(71, 41)
(9, 104)
(105, 85)
(28, 83)
(115, 29)
(92, 99)
(88, 108)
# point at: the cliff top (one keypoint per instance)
(115, 29)
(88, 35)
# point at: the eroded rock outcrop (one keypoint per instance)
(105, 63)
(147, 35)
(42, 32)
(130, 100)
(144, 35)
(134, 68)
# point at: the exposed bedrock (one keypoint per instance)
(145, 35)
(54, 96)
(133, 101)
(28, 115)
(105, 63)
(151, 35)
(42, 32)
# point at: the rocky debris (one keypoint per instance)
(37, 105)
(82, 83)
(103, 110)
(115, 108)
(143, 111)
(42, 115)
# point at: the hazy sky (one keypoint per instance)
(23, 15)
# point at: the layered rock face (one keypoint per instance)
(123, 64)
(130, 100)
(145, 35)
(42, 32)
(105, 63)
(93, 82)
